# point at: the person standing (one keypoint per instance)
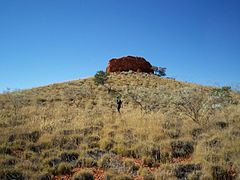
(119, 103)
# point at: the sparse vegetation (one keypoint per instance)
(167, 130)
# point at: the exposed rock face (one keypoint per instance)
(137, 64)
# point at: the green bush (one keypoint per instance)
(100, 77)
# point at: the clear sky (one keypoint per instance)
(47, 41)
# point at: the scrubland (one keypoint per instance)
(166, 130)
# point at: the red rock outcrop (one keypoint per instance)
(137, 64)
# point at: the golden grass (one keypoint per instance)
(81, 116)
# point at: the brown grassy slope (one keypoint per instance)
(42, 125)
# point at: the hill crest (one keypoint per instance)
(166, 129)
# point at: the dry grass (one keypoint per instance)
(53, 129)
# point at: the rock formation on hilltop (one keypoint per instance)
(137, 64)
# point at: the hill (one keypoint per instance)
(166, 130)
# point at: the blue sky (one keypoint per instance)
(47, 41)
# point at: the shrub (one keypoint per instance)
(160, 71)
(181, 171)
(181, 148)
(10, 161)
(219, 172)
(5, 150)
(100, 77)
(222, 125)
(63, 168)
(155, 153)
(12, 174)
(194, 103)
(69, 157)
(64, 142)
(12, 138)
(174, 133)
(95, 153)
(83, 175)
(33, 136)
(35, 148)
(53, 162)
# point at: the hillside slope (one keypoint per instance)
(166, 130)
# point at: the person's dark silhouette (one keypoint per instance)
(119, 103)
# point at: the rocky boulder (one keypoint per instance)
(136, 64)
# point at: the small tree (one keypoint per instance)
(160, 71)
(194, 103)
(101, 77)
